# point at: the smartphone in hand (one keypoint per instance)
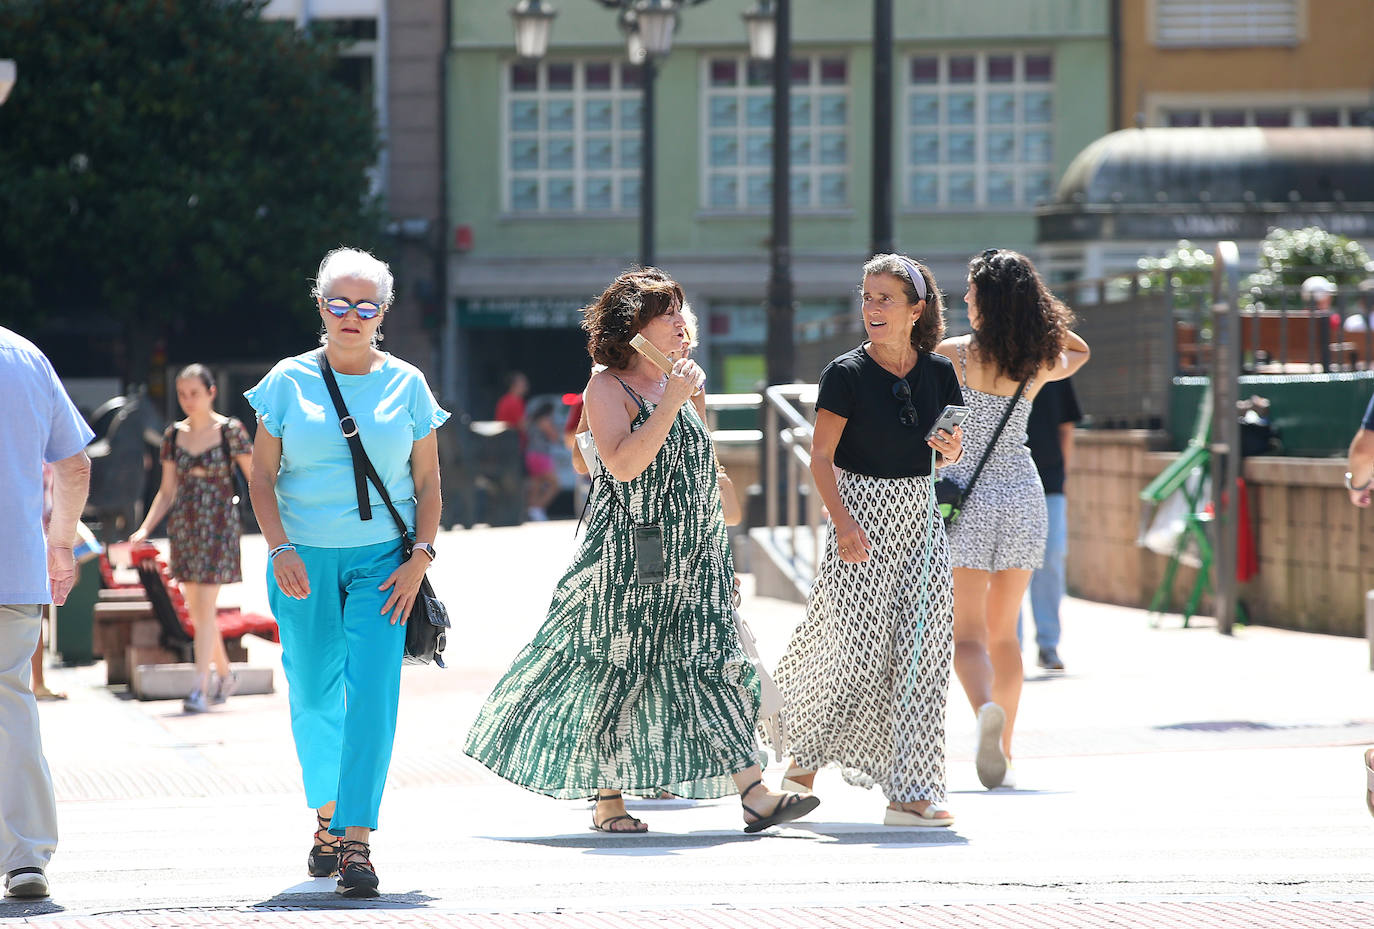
(949, 417)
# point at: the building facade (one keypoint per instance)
(990, 103)
(1292, 84)
(1266, 63)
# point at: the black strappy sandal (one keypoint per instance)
(357, 877)
(790, 806)
(605, 824)
(324, 856)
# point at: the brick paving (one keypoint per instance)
(1164, 914)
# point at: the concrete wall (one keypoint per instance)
(1313, 561)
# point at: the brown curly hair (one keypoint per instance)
(623, 309)
(930, 327)
(1021, 325)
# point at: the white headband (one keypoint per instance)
(917, 279)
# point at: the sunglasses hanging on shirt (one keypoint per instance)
(902, 392)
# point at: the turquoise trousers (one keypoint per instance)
(342, 659)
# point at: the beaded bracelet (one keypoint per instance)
(284, 547)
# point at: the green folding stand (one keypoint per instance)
(1189, 474)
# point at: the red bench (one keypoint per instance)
(157, 628)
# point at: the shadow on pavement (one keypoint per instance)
(292, 899)
(15, 909)
(666, 844)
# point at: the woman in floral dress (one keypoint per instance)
(198, 490)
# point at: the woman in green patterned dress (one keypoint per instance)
(636, 680)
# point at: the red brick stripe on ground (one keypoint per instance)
(1172, 914)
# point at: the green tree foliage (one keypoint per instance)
(178, 167)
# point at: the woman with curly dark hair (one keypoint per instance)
(1020, 341)
(637, 681)
(866, 676)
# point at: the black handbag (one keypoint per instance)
(949, 496)
(238, 484)
(428, 624)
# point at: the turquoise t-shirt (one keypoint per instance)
(316, 494)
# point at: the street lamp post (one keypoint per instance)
(770, 39)
(881, 239)
(648, 26)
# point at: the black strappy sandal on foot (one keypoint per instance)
(324, 856)
(607, 825)
(357, 877)
(790, 806)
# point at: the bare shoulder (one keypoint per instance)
(949, 348)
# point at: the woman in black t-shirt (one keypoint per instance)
(865, 677)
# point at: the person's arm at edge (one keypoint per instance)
(71, 483)
(1360, 464)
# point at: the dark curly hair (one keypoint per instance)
(930, 327)
(623, 309)
(1021, 325)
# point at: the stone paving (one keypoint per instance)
(1171, 778)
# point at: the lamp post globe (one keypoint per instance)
(533, 23)
(655, 21)
(9, 73)
(762, 25)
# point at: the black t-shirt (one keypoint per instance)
(1055, 405)
(874, 441)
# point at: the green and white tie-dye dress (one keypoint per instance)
(626, 686)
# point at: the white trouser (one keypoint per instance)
(28, 810)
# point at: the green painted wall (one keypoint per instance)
(1315, 415)
(1074, 30)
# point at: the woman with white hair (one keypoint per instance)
(337, 579)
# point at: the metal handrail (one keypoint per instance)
(781, 406)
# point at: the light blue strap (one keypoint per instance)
(923, 599)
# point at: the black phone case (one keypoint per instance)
(648, 555)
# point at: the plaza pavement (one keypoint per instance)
(1172, 777)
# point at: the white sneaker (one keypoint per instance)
(537, 514)
(195, 702)
(223, 688)
(26, 883)
(1009, 779)
(989, 761)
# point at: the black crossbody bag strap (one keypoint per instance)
(362, 465)
(993, 442)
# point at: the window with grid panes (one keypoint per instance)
(571, 137)
(1271, 117)
(737, 142)
(979, 130)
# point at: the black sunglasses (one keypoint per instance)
(907, 414)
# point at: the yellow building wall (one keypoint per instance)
(1332, 62)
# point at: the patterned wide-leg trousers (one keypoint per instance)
(866, 675)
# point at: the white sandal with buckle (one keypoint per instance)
(911, 818)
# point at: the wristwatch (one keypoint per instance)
(1352, 488)
(424, 547)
